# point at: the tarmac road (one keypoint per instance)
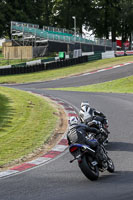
(84, 79)
(60, 180)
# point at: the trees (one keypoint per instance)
(126, 15)
(43, 10)
(62, 13)
(111, 17)
(2, 19)
(104, 17)
(15, 10)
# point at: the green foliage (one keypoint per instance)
(101, 16)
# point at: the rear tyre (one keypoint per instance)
(111, 167)
(91, 172)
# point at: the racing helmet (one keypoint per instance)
(85, 104)
(73, 120)
(85, 112)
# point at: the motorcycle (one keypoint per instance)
(98, 122)
(102, 125)
(88, 162)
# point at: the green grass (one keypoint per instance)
(26, 123)
(64, 72)
(1, 56)
(4, 62)
(123, 85)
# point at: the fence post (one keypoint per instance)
(8, 57)
(21, 54)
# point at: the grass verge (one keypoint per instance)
(64, 72)
(26, 123)
(123, 85)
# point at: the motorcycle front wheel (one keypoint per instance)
(111, 167)
(90, 171)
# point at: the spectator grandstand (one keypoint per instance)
(50, 33)
(26, 34)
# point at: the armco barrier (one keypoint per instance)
(119, 53)
(108, 54)
(34, 62)
(42, 66)
(129, 53)
(19, 65)
(47, 60)
(123, 53)
(96, 56)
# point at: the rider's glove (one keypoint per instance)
(102, 130)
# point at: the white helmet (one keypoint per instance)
(85, 112)
(85, 104)
(73, 120)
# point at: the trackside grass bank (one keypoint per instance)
(123, 85)
(26, 123)
(64, 72)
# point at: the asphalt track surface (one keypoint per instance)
(60, 180)
(85, 79)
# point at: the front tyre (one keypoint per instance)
(111, 167)
(91, 172)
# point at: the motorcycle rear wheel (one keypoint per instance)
(91, 172)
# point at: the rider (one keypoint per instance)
(90, 116)
(77, 133)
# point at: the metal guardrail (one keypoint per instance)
(28, 25)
